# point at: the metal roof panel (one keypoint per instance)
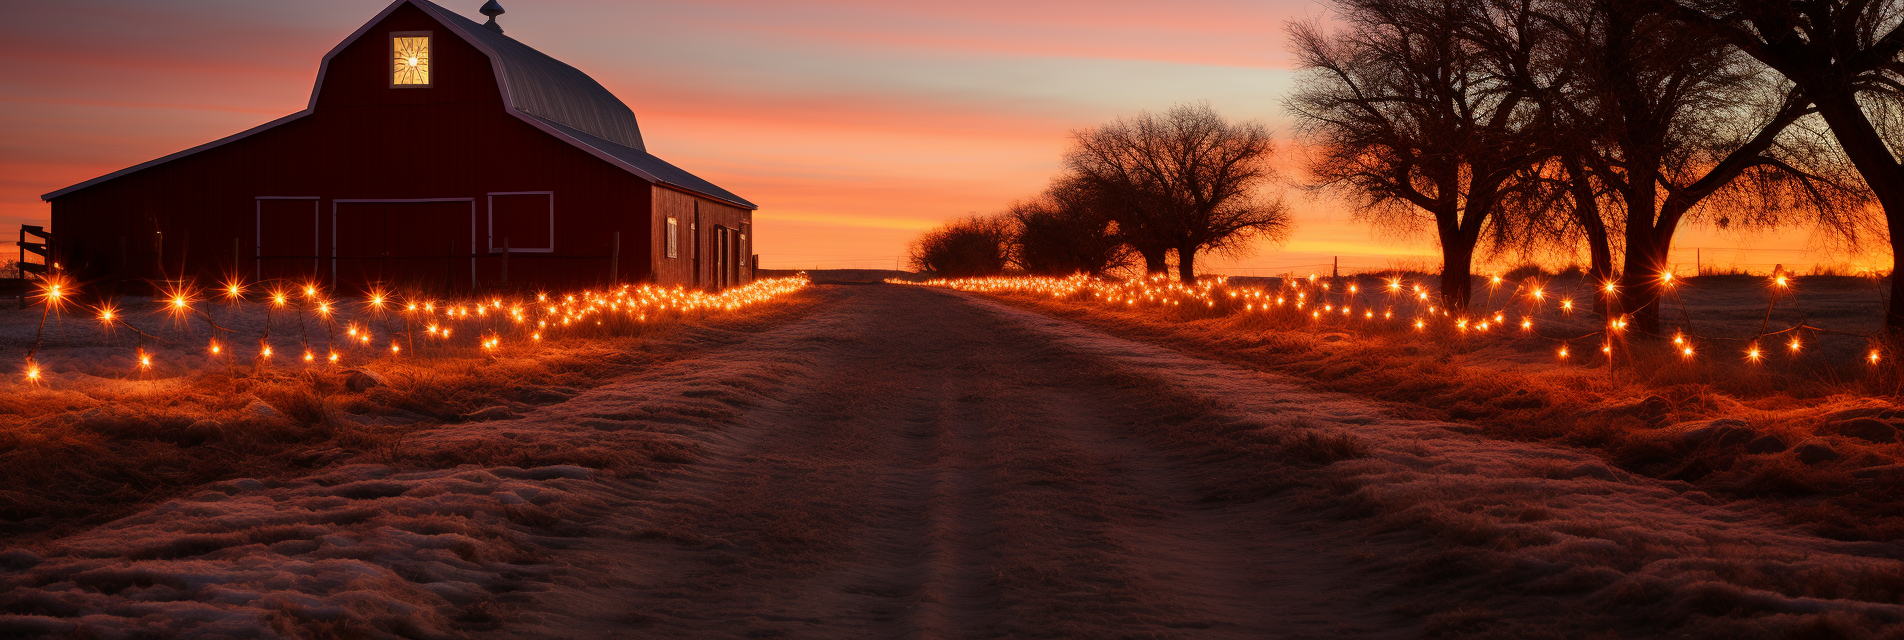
(549, 88)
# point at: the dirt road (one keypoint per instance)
(922, 466)
(901, 462)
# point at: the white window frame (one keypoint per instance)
(257, 228)
(674, 237)
(390, 58)
(493, 248)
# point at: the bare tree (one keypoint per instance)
(1064, 231)
(1846, 57)
(1678, 127)
(1417, 108)
(1184, 180)
(969, 247)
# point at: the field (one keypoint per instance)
(1021, 458)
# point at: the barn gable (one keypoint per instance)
(551, 96)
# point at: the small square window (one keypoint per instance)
(674, 238)
(410, 59)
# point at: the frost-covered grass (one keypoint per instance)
(96, 439)
(1499, 537)
(1813, 435)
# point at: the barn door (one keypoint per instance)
(730, 257)
(285, 243)
(426, 245)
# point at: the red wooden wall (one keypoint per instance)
(367, 141)
(699, 256)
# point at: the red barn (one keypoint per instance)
(436, 154)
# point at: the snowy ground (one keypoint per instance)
(913, 462)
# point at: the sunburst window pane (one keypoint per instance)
(412, 63)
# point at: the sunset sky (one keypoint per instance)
(854, 124)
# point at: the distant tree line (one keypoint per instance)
(1552, 125)
(1146, 188)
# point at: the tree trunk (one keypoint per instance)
(1457, 273)
(1186, 264)
(1155, 262)
(1867, 151)
(1586, 212)
(1640, 282)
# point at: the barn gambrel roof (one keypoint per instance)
(547, 93)
(541, 86)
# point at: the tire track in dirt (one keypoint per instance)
(930, 468)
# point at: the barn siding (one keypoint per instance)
(693, 241)
(364, 140)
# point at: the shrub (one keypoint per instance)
(970, 247)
